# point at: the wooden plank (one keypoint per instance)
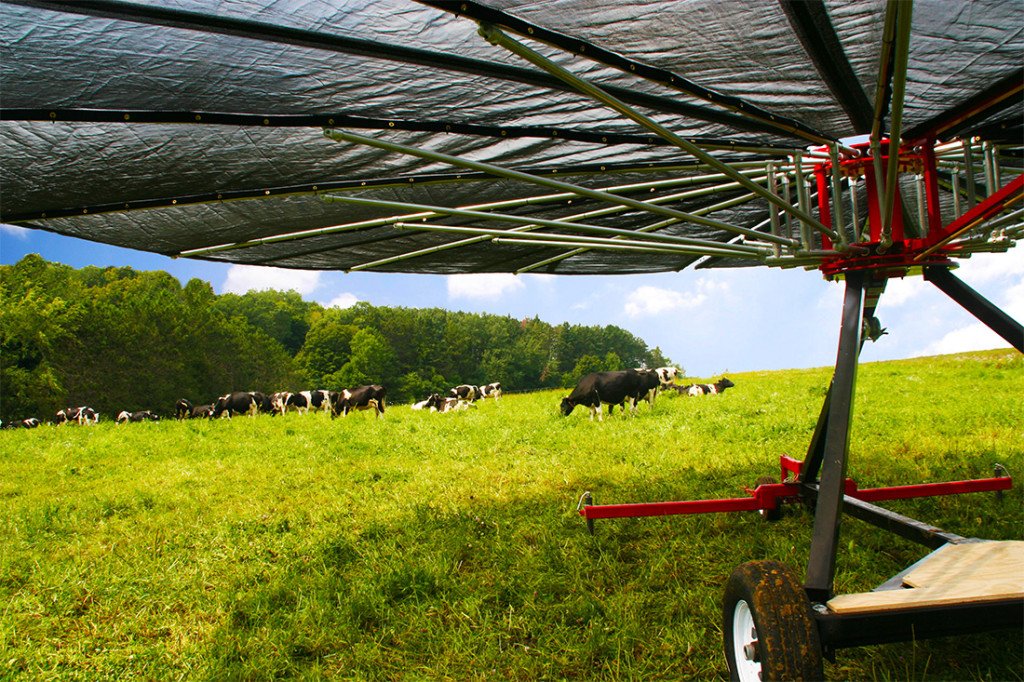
(953, 574)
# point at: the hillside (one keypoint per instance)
(429, 546)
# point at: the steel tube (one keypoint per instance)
(505, 236)
(597, 195)
(899, 86)
(505, 217)
(709, 209)
(828, 510)
(497, 37)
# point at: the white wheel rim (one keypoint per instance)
(743, 634)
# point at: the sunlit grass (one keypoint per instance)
(427, 546)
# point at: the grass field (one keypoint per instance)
(426, 546)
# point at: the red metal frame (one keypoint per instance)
(904, 253)
(768, 496)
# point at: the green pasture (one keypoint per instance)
(448, 547)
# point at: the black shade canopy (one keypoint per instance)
(315, 135)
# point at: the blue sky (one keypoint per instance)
(708, 322)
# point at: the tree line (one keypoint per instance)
(120, 339)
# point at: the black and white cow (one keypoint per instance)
(361, 398)
(425, 403)
(650, 382)
(78, 415)
(710, 389)
(236, 402)
(278, 401)
(140, 416)
(435, 403)
(183, 408)
(667, 375)
(465, 392)
(30, 423)
(609, 388)
(303, 401)
(202, 412)
(264, 403)
(491, 390)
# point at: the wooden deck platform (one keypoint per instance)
(952, 574)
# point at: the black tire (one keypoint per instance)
(768, 626)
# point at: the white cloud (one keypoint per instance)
(483, 286)
(647, 301)
(986, 267)
(972, 337)
(15, 231)
(345, 300)
(899, 291)
(243, 278)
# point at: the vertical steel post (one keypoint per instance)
(972, 198)
(957, 210)
(829, 506)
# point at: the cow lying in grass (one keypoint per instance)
(140, 416)
(706, 389)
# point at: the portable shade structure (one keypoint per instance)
(868, 140)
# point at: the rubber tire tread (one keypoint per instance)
(787, 633)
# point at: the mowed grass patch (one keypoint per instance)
(428, 546)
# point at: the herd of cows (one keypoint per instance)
(593, 390)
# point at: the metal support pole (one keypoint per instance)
(995, 318)
(957, 210)
(837, 198)
(802, 201)
(990, 168)
(828, 510)
(972, 196)
(899, 86)
(773, 210)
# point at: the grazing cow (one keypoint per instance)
(491, 390)
(610, 388)
(320, 400)
(278, 401)
(710, 389)
(361, 398)
(264, 403)
(299, 401)
(140, 416)
(202, 412)
(650, 382)
(303, 401)
(465, 392)
(80, 415)
(183, 409)
(236, 402)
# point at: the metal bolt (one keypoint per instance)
(751, 653)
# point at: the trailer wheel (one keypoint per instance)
(769, 630)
